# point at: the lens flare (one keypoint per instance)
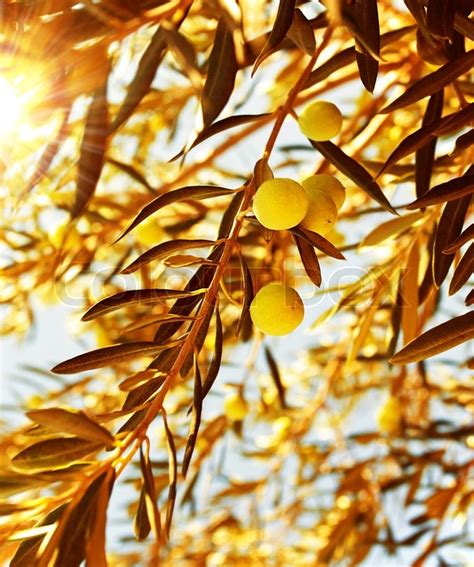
(10, 107)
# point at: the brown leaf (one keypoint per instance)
(463, 238)
(366, 14)
(352, 169)
(26, 553)
(425, 134)
(182, 194)
(301, 32)
(222, 69)
(199, 339)
(229, 216)
(91, 159)
(284, 17)
(464, 142)
(449, 228)
(141, 522)
(132, 171)
(433, 82)
(141, 83)
(248, 291)
(469, 298)
(309, 259)
(141, 296)
(49, 154)
(438, 339)
(195, 419)
(53, 454)
(201, 279)
(463, 271)
(173, 475)
(262, 171)
(425, 156)
(215, 364)
(446, 192)
(319, 242)
(276, 377)
(347, 56)
(95, 545)
(440, 17)
(220, 126)
(148, 504)
(72, 545)
(72, 423)
(164, 250)
(108, 356)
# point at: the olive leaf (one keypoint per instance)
(108, 356)
(433, 82)
(53, 454)
(438, 339)
(222, 69)
(73, 423)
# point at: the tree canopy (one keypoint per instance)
(134, 136)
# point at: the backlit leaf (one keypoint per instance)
(215, 364)
(140, 296)
(347, 56)
(195, 418)
(352, 169)
(72, 546)
(319, 242)
(465, 236)
(173, 474)
(276, 377)
(248, 291)
(438, 339)
(141, 83)
(302, 33)
(73, 423)
(449, 228)
(391, 228)
(366, 14)
(95, 545)
(222, 69)
(425, 155)
(221, 126)
(463, 271)
(445, 192)
(433, 82)
(108, 356)
(53, 454)
(309, 260)
(183, 194)
(280, 28)
(91, 159)
(164, 250)
(425, 134)
(440, 17)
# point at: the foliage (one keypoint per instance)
(147, 128)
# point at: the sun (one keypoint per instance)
(10, 107)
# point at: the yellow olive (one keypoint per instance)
(280, 203)
(320, 121)
(322, 212)
(277, 309)
(327, 184)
